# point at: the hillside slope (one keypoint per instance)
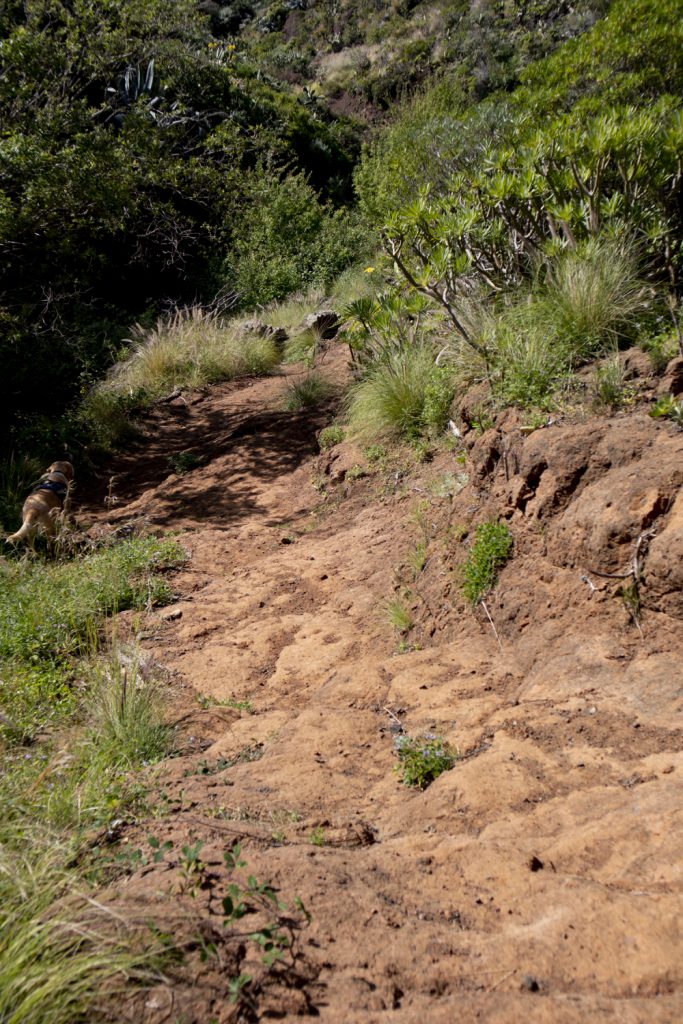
(539, 880)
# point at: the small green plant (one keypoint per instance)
(192, 868)
(421, 759)
(670, 408)
(490, 551)
(317, 836)
(185, 462)
(356, 472)
(399, 616)
(448, 485)
(302, 348)
(206, 702)
(375, 453)
(276, 938)
(660, 348)
(306, 393)
(482, 420)
(331, 436)
(417, 559)
(609, 384)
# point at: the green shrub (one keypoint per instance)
(490, 551)
(421, 759)
(591, 297)
(331, 436)
(289, 241)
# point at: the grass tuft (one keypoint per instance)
(306, 393)
(58, 953)
(399, 616)
(389, 403)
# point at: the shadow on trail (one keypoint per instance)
(243, 450)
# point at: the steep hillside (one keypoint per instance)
(539, 878)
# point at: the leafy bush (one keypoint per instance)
(490, 551)
(289, 241)
(331, 436)
(421, 759)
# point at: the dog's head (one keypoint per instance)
(65, 468)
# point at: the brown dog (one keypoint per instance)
(45, 502)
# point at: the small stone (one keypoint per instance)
(171, 614)
(535, 864)
(530, 983)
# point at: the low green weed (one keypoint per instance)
(232, 702)
(421, 759)
(318, 836)
(376, 454)
(490, 551)
(331, 436)
(417, 559)
(670, 408)
(302, 348)
(185, 462)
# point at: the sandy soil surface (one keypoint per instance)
(540, 879)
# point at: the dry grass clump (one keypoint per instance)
(190, 348)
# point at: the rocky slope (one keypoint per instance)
(540, 879)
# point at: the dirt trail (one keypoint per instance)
(540, 879)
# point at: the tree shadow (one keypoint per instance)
(240, 452)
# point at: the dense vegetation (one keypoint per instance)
(171, 164)
(542, 227)
(138, 156)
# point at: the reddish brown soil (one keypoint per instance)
(539, 880)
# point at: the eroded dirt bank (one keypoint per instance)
(540, 879)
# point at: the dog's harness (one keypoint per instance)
(53, 485)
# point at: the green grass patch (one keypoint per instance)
(50, 614)
(191, 348)
(58, 953)
(490, 551)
